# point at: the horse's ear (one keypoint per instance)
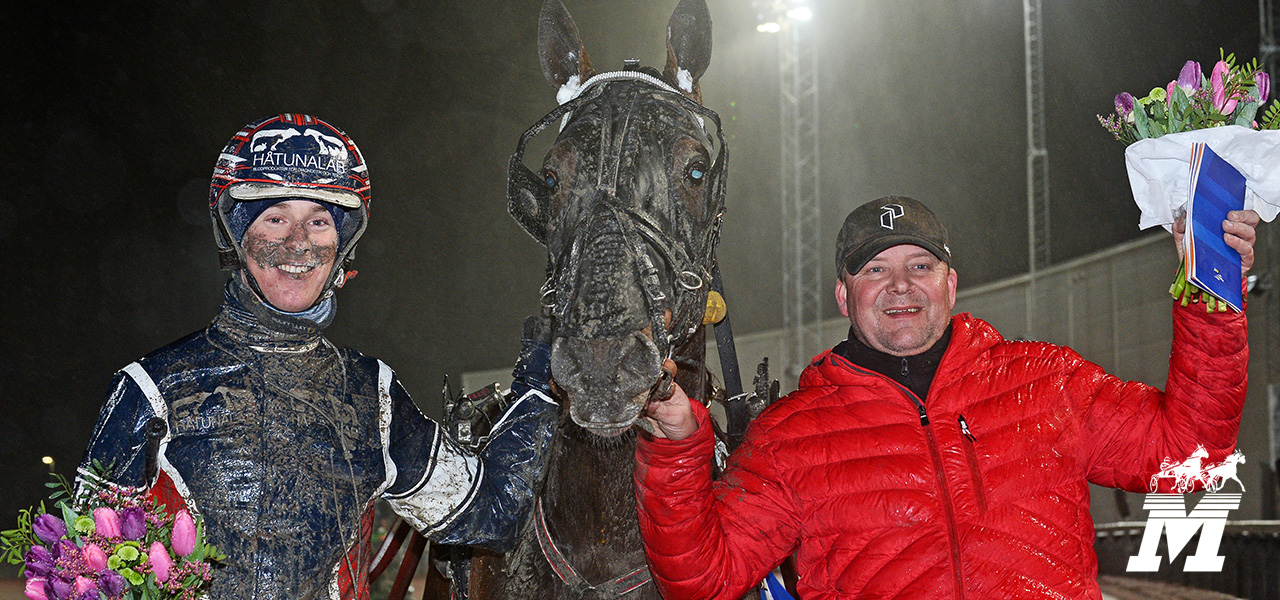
(689, 46)
(560, 47)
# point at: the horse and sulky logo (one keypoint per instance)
(1168, 514)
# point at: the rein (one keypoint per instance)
(570, 577)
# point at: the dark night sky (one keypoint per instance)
(115, 117)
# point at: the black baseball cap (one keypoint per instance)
(886, 222)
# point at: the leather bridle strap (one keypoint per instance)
(570, 577)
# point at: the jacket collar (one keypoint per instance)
(249, 321)
(970, 337)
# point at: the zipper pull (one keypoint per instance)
(904, 368)
(924, 418)
(964, 428)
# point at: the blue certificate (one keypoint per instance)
(1217, 188)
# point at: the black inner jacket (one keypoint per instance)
(914, 372)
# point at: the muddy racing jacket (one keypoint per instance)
(282, 444)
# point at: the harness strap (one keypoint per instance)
(570, 577)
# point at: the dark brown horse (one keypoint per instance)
(628, 202)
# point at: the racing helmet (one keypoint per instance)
(288, 156)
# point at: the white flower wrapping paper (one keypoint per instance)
(1160, 170)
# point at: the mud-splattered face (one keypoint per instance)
(291, 249)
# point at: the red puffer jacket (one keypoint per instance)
(984, 496)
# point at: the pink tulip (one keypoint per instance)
(184, 533)
(84, 584)
(1168, 93)
(1217, 80)
(1264, 85)
(94, 557)
(35, 588)
(106, 522)
(160, 561)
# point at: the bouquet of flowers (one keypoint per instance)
(111, 545)
(1230, 95)
(1221, 109)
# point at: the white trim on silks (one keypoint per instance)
(446, 490)
(426, 473)
(385, 377)
(334, 592)
(512, 409)
(161, 409)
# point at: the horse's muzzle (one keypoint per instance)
(607, 380)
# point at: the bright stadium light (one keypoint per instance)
(769, 27)
(801, 13)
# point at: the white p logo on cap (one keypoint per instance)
(890, 212)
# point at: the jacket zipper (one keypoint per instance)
(974, 473)
(952, 534)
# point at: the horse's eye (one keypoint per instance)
(696, 173)
(549, 178)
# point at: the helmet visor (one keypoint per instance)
(248, 191)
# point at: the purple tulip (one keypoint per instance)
(160, 561)
(1190, 77)
(94, 557)
(57, 588)
(66, 549)
(35, 588)
(133, 523)
(1264, 85)
(1217, 81)
(184, 533)
(49, 528)
(90, 594)
(111, 583)
(106, 522)
(1124, 103)
(39, 561)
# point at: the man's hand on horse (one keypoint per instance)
(1239, 231)
(671, 418)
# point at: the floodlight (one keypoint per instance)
(801, 13)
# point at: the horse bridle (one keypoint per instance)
(529, 204)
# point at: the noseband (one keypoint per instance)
(529, 203)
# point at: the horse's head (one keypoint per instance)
(628, 202)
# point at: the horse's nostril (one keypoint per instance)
(640, 357)
(603, 377)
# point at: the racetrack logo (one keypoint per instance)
(1168, 514)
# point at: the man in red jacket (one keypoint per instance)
(926, 456)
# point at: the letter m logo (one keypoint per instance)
(1169, 517)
